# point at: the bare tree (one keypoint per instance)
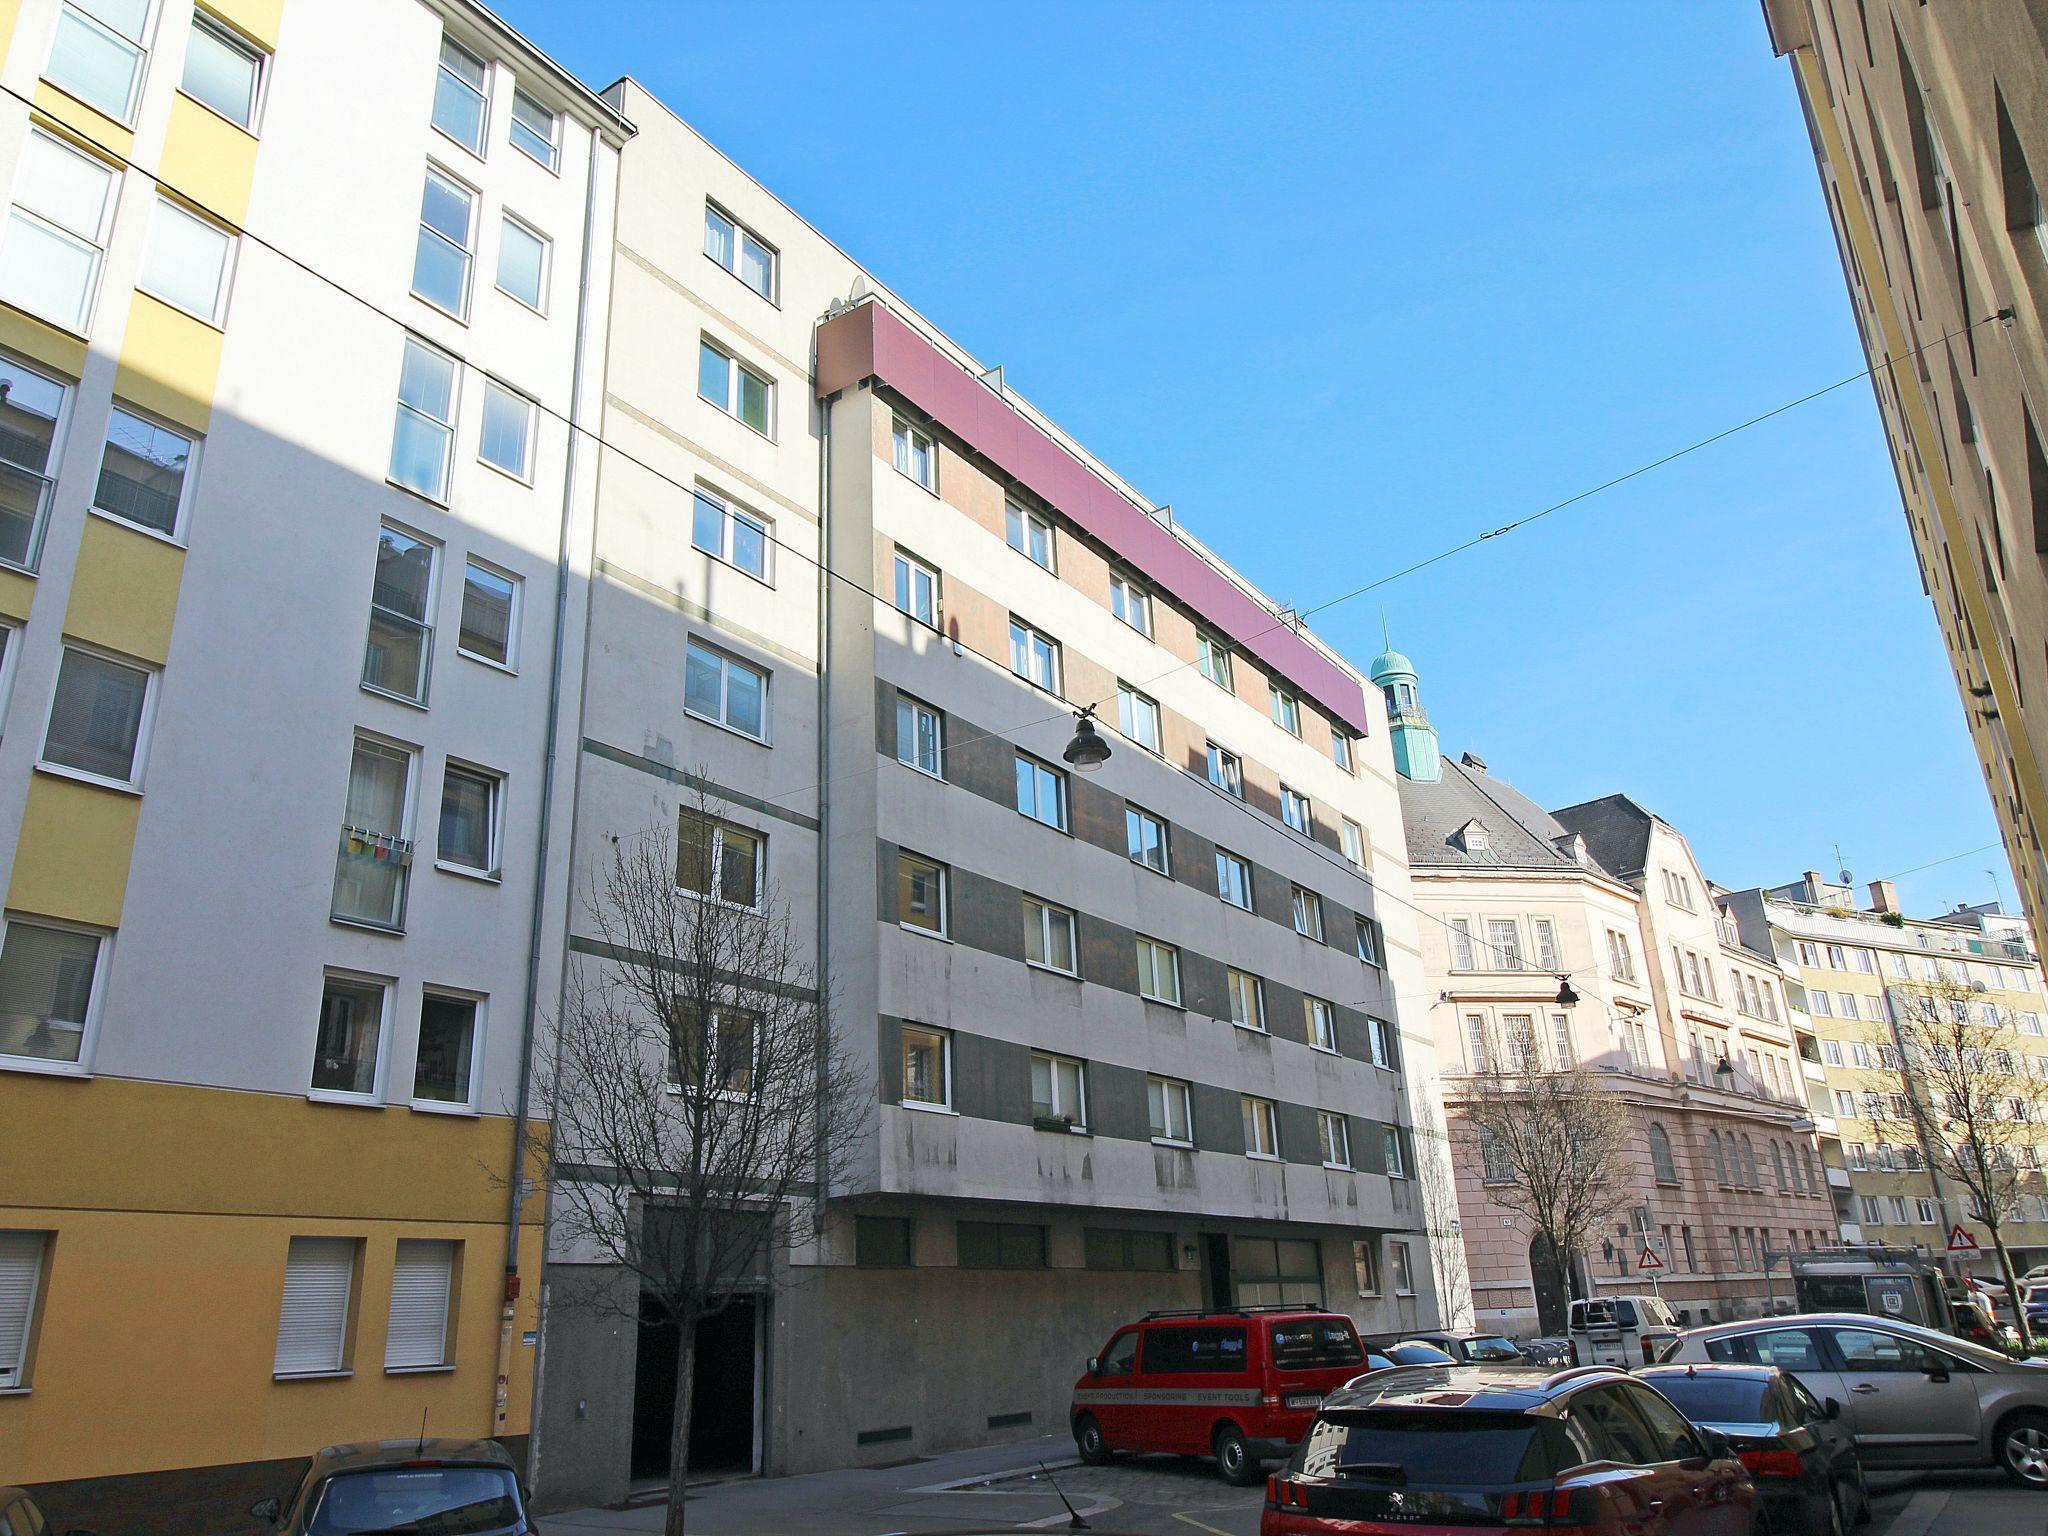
(1968, 1104)
(1554, 1143)
(701, 1108)
(1441, 1223)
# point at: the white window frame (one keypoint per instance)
(217, 315)
(479, 1004)
(1171, 954)
(482, 93)
(141, 43)
(1464, 954)
(1130, 602)
(552, 164)
(945, 883)
(177, 532)
(1172, 1090)
(944, 1037)
(494, 870)
(1212, 659)
(1544, 943)
(1249, 991)
(1040, 771)
(234, 42)
(1223, 770)
(440, 495)
(1145, 817)
(733, 368)
(88, 1034)
(1078, 1118)
(1293, 804)
(1044, 915)
(32, 1250)
(1371, 943)
(1262, 1117)
(1228, 863)
(726, 660)
(468, 248)
(1333, 1135)
(1343, 749)
(538, 304)
(96, 242)
(740, 234)
(1379, 1043)
(1351, 838)
(1390, 1143)
(918, 710)
(1031, 637)
(715, 862)
(524, 473)
(1365, 1267)
(511, 661)
(426, 625)
(1285, 708)
(909, 573)
(1022, 523)
(143, 726)
(1400, 1267)
(1138, 718)
(906, 438)
(387, 988)
(1319, 1017)
(1308, 914)
(729, 513)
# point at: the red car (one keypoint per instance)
(1434, 1451)
(1240, 1386)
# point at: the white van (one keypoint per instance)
(1620, 1330)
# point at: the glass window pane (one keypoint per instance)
(487, 602)
(714, 376)
(96, 716)
(719, 238)
(753, 400)
(64, 186)
(221, 72)
(445, 208)
(466, 805)
(47, 273)
(459, 98)
(94, 63)
(522, 262)
(405, 574)
(447, 1046)
(745, 692)
(750, 546)
(187, 262)
(46, 977)
(345, 1047)
(704, 682)
(419, 454)
(142, 472)
(426, 382)
(739, 867)
(707, 525)
(533, 128)
(757, 266)
(507, 429)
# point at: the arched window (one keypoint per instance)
(1750, 1179)
(1720, 1157)
(1661, 1164)
(1778, 1165)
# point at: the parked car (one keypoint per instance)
(1912, 1397)
(1799, 1452)
(20, 1515)
(1240, 1386)
(1468, 1348)
(435, 1487)
(1380, 1353)
(1620, 1330)
(1591, 1449)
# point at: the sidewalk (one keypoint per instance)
(856, 1501)
(1970, 1504)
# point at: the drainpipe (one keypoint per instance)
(529, 1012)
(822, 1167)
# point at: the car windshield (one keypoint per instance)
(1418, 1354)
(1320, 1341)
(1711, 1399)
(1421, 1447)
(1491, 1347)
(434, 1501)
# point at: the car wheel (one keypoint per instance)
(1234, 1457)
(2023, 1449)
(1864, 1513)
(1837, 1496)
(1089, 1442)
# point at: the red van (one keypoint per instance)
(1241, 1386)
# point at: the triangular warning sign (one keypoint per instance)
(1960, 1241)
(1649, 1260)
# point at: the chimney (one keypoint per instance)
(1884, 896)
(1813, 884)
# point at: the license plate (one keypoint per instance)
(1304, 1399)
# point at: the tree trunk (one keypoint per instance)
(2012, 1292)
(679, 1433)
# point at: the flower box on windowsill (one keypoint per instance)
(1057, 1123)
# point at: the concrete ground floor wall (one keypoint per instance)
(869, 1365)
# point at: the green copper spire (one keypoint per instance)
(1416, 755)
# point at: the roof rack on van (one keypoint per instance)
(1246, 1311)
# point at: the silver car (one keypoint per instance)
(1911, 1396)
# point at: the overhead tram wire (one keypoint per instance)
(1352, 870)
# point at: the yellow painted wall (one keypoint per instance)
(16, 593)
(208, 161)
(124, 593)
(91, 127)
(169, 363)
(71, 861)
(172, 1214)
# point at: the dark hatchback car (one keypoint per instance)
(1439, 1449)
(399, 1487)
(1796, 1447)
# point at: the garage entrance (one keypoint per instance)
(724, 1399)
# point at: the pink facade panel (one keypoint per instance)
(872, 341)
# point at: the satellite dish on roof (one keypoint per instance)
(1847, 878)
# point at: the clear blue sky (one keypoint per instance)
(1347, 284)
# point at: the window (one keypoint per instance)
(1333, 1132)
(401, 643)
(56, 232)
(1621, 963)
(48, 975)
(1145, 835)
(1308, 914)
(1247, 996)
(348, 1045)
(469, 818)
(1661, 1163)
(1261, 1128)
(490, 614)
(731, 533)
(1351, 837)
(1294, 809)
(1233, 879)
(1212, 656)
(1503, 944)
(97, 53)
(1341, 750)
(726, 691)
(1158, 971)
(1321, 1023)
(447, 1050)
(1034, 657)
(1365, 1265)
(1048, 935)
(1225, 772)
(1390, 1144)
(1379, 1039)
(1130, 602)
(1461, 944)
(917, 589)
(1475, 1041)
(999, 1245)
(740, 251)
(920, 736)
(914, 454)
(459, 97)
(425, 432)
(1543, 934)
(145, 470)
(1845, 1104)
(720, 860)
(29, 408)
(1285, 709)
(1111, 1248)
(927, 1067)
(882, 1242)
(187, 263)
(1058, 1090)
(98, 717)
(312, 1321)
(920, 894)
(1041, 792)
(222, 72)
(374, 860)
(444, 253)
(1403, 1272)
(507, 439)
(741, 392)
(1371, 942)
(416, 1337)
(1138, 717)
(523, 263)
(21, 1270)
(533, 130)
(1029, 533)
(1169, 1102)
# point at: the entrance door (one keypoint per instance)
(1216, 1293)
(722, 1392)
(1546, 1277)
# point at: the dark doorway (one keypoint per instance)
(1546, 1277)
(721, 1394)
(1215, 1271)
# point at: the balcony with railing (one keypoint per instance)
(24, 512)
(371, 872)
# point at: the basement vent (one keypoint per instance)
(1008, 1420)
(882, 1436)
